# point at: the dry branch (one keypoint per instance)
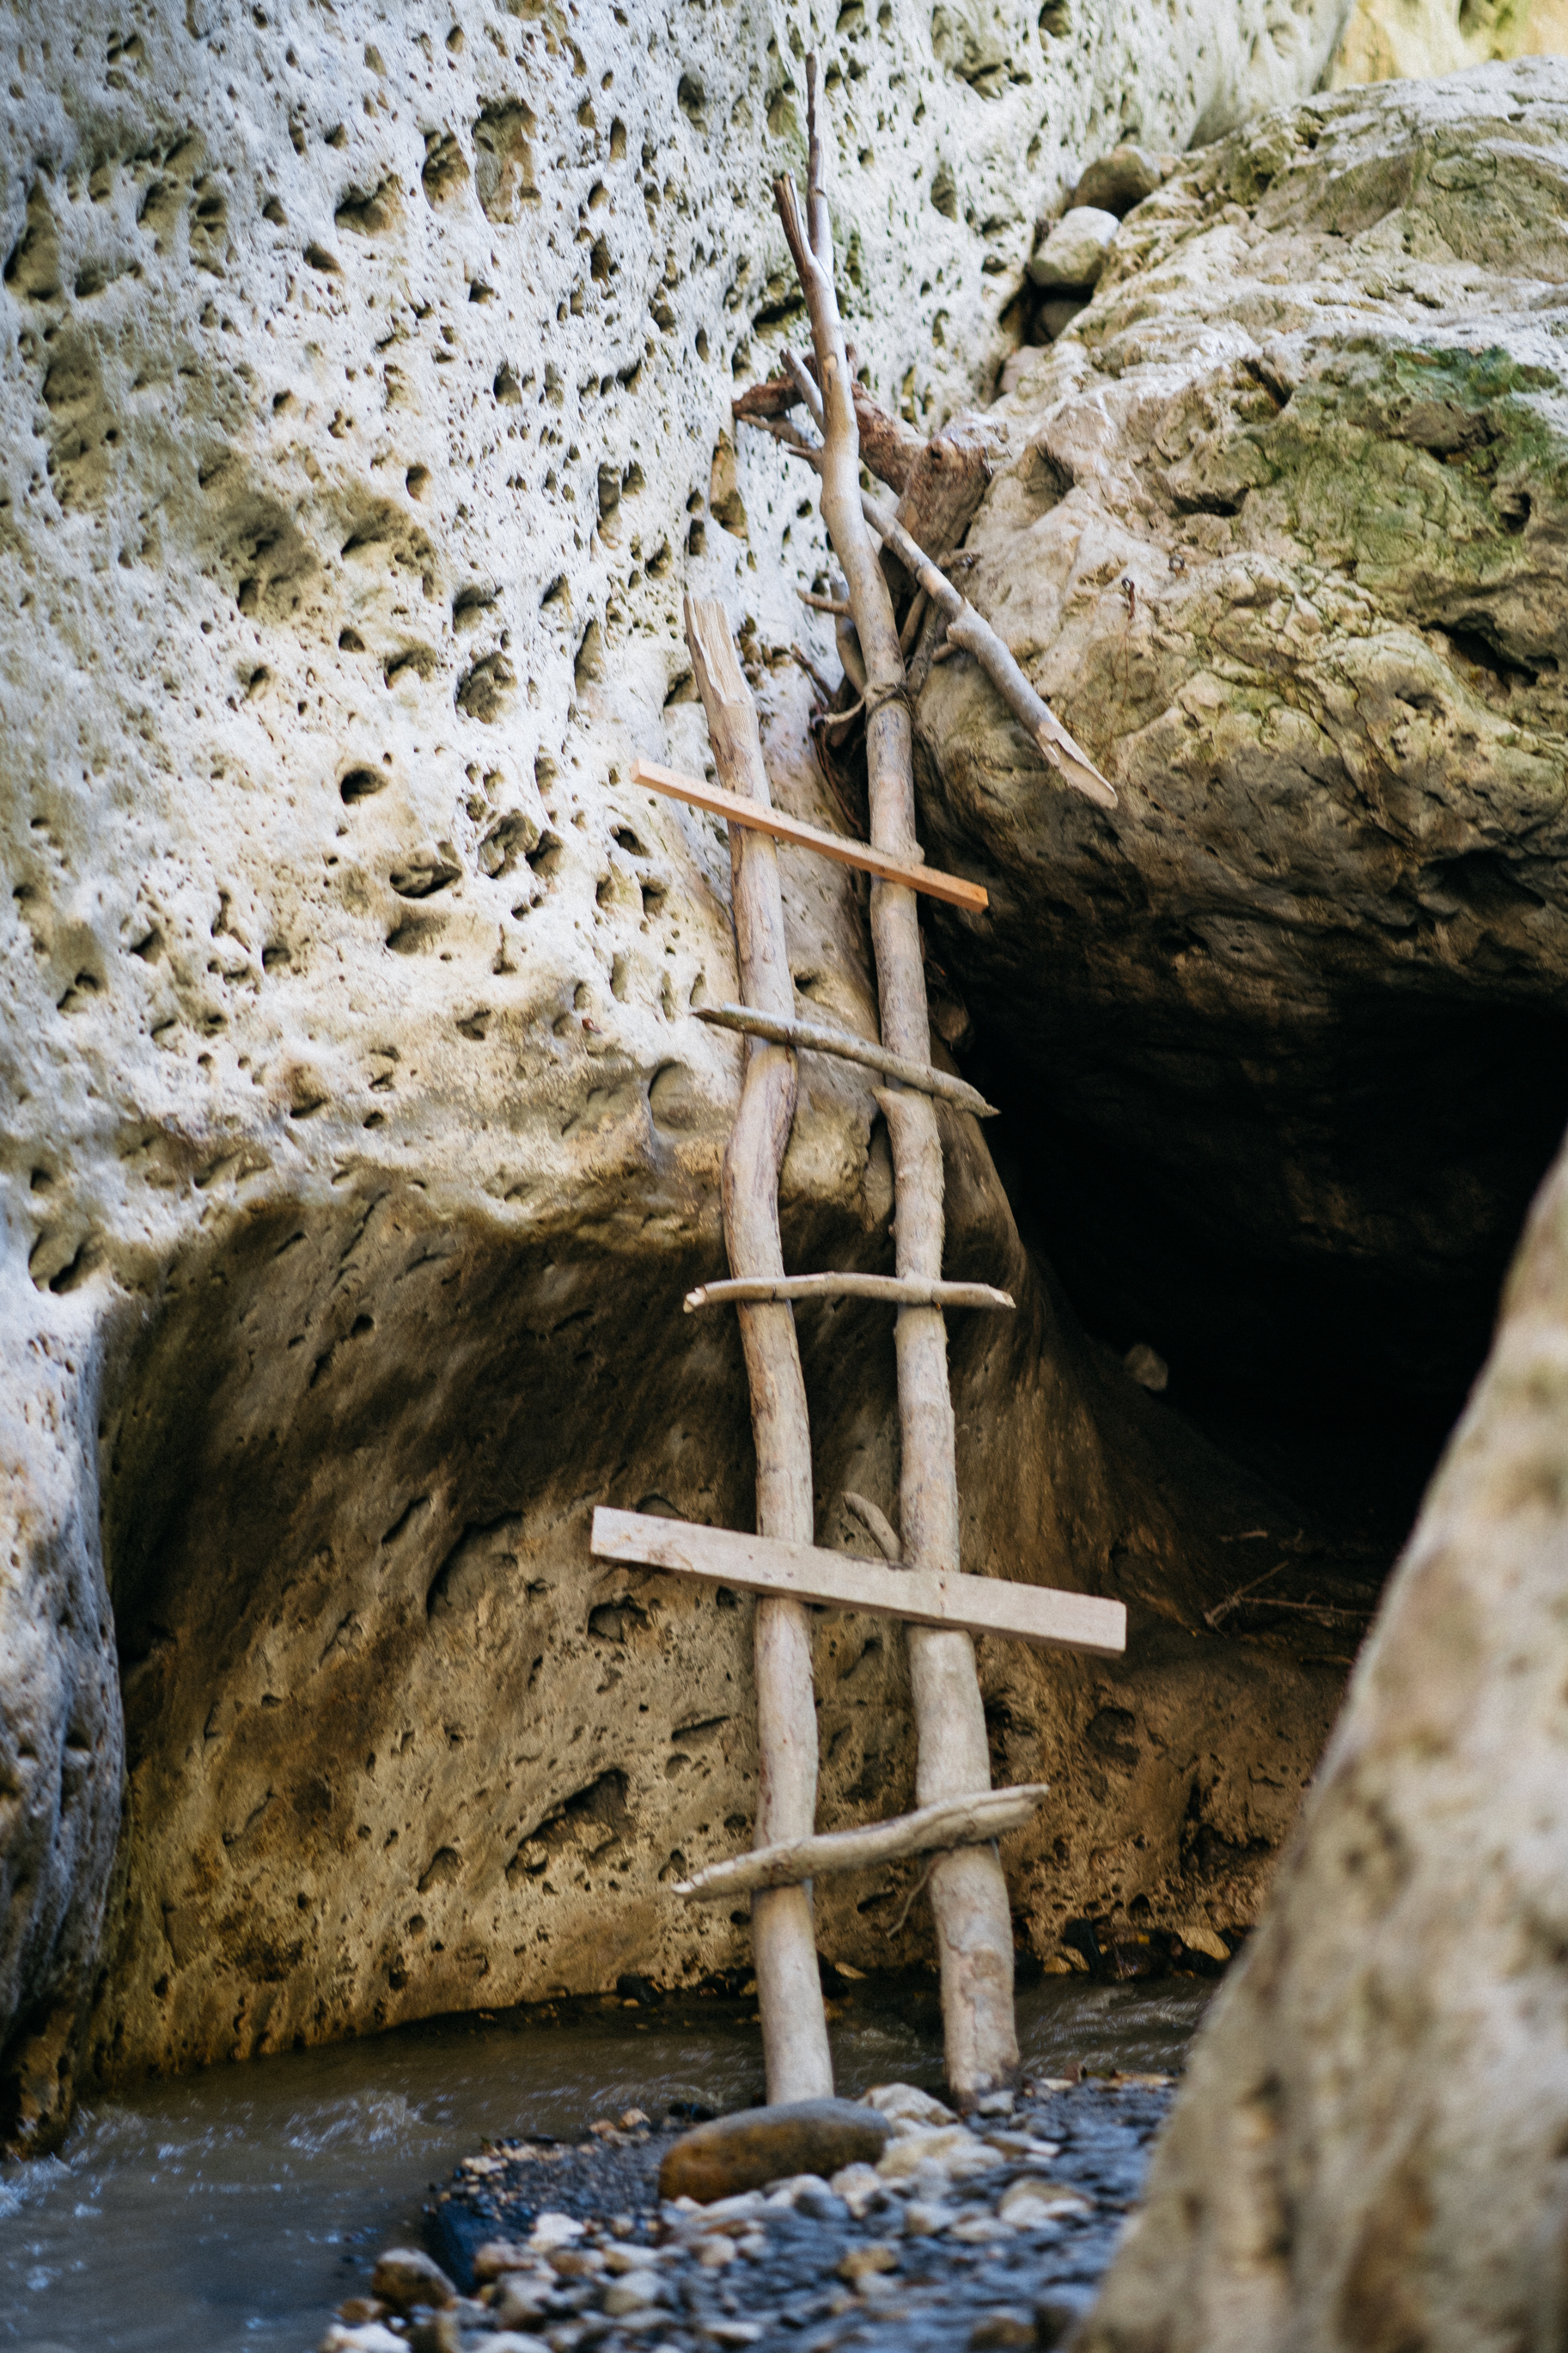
(890, 1290)
(877, 1526)
(958, 1821)
(815, 1038)
(966, 629)
(969, 1894)
(789, 1995)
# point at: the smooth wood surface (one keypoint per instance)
(762, 819)
(1038, 1614)
(892, 1289)
(797, 2058)
(959, 1821)
(817, 1037)
(968, 1891)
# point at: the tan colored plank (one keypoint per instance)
(1040, 1614)
(930, 1829)
(892, 1289)
(718, 803)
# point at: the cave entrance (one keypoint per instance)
(1310, 1228)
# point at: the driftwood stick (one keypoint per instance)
(969, 1894)
(800, 375)
(815, 1038)
(890, 1290)
(877, 1526)
(958, 1821)
(966, 627)
(822, 603)
(796, 2053)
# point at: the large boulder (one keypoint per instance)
(365, 386)
(1284, 535)
(1367, 2151)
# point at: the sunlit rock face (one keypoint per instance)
(1283, 536)
(366, 381)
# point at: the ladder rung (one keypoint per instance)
(892, 1289)
(930, 1829)
(814, 1038)
(764, 820)
(1042, 1614)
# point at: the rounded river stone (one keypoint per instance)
(759, 2145)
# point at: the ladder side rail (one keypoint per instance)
(796, 2057)
(968, 1889)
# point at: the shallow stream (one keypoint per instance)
(233, 2209)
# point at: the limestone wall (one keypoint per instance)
(365, 378)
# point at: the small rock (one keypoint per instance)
(978, 2230)
(358, 2310)
(759, 2145)
(860, 2187)
(372, 2339)
(1016, 366)
(872, 2255)
(553, 2230)
(513, 2340)
(954, 2155)
(924, 2218)
(435, 2332)
(997, 2104)
(1201, 1939)
(631, 2292)
(1024, 2144)
(1151, 1371)
(629, 2259)
(1056, 315)
(904, 2105)
(497, 2256)
(1029, 2204)
(1117, 182)
(406, 2277)
(716, 2252)
(818, 2203)
(520, 2299)
(1074, 253)
(1004, 2331)
(576, 2263)
(733, 2332)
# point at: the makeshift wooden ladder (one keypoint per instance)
(959, 1816)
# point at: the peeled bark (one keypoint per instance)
(1368, 2152)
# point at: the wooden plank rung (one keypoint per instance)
(816, 1038)
(1040, 1614)
(930, 1829)
(793, 829)
(892, 1289)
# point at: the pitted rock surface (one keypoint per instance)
(1283, 537)
(366, 391)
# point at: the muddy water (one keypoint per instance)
(233, 2209)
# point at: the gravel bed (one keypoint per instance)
(991, 2230)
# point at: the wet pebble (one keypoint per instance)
(986, 2232)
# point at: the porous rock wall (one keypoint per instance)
(365, 380)
(1282, 534)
